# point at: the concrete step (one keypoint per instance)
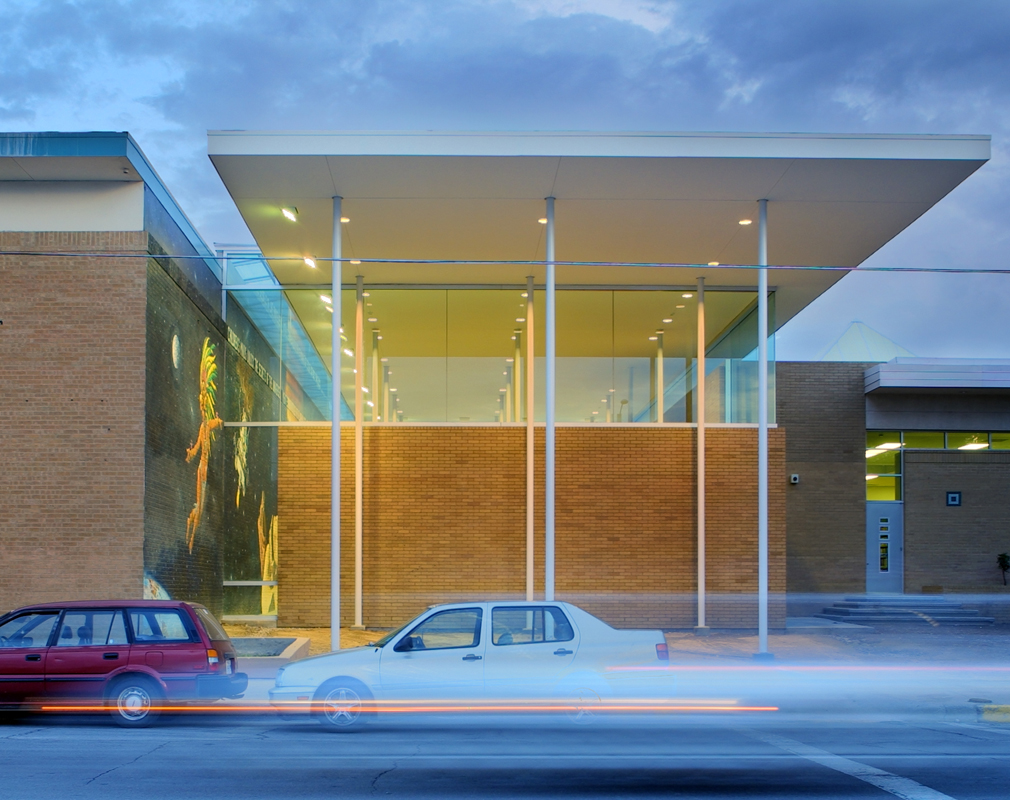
(906, 617)
(877, 610)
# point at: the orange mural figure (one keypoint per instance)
(210, 422)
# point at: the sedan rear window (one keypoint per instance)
(529, 625)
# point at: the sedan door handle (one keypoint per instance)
(472, 657)
(110, 656)
(33, 657)
(562, 652)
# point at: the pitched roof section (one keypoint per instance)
(860, 342)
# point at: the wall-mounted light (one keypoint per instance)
(290, 213)
(309, 262)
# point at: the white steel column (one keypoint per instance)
(517, 382)
(763, 427)
(373, 395)
(549, 398)
(359, 444)
(335, 433)
(660, 379)
(530, 472)
(700, 418)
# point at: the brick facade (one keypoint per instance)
(444, 520)
(72, 357)
(821, 405)
(955, 546)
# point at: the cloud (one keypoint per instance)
(169, 71)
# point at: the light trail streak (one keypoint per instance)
(430, 708)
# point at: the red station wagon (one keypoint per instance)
(134, 656)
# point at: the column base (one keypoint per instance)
(702, 630)
(764, 656)
(356, 627)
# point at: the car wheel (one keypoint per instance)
(340, 705)
(135, 702)
(582, 705)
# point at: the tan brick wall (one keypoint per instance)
(444, 519)
(72, 360)
(821, 405)
(950, 546)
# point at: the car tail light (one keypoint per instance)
(663, 652)
(212, 659)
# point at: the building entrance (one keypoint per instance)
(885, 548)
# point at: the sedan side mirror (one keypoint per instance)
(405, 644)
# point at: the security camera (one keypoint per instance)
(794, 478)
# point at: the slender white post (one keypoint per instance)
(700, 417)
(660, 380)
(549, 399)
(530, 472)
(335, 434)
(359, 445)
(374, 392)
(385, 390)
(763, 427)
(517, 382)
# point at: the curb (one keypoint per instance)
(267, 666)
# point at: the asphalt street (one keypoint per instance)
(687, 757)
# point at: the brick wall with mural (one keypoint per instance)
(72, 357)
(444, 520)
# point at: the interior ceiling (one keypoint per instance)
(833, 201)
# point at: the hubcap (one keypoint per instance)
(342, 706)
(134, 703)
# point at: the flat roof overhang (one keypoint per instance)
(939, 376)
(834, 199)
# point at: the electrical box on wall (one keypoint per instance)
(794, 478)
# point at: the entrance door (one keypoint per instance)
(885, 548)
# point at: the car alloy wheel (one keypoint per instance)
(134, 703)
(340, 706)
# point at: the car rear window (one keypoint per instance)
(211, 625)
(529, 625)
(159, 625)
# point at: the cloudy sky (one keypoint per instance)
(169, 71)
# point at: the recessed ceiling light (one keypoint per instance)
(330, 309)
(384, 360)
(341, 330)
(509, 360)
(326, 299)
(667, 320)
(392, 390)
(687, 295)
(355, 260)
(311, 262)
(513, 338)
(370, 404)
(520, 319)
(366, 294)
(364, 389)
(502, 390)
(525, 294)
(345, 219)
(542, 220)
(596, 412)
(746, 221)
(713, 263)
(681, 306)
(348, 353)
(290, 213)
(653, 338)
(378, 337)
(373, 319)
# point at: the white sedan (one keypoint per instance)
(480, 654)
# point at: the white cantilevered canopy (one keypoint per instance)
(834, 199)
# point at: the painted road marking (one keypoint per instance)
(905, 788)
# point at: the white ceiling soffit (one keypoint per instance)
(638, 197)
